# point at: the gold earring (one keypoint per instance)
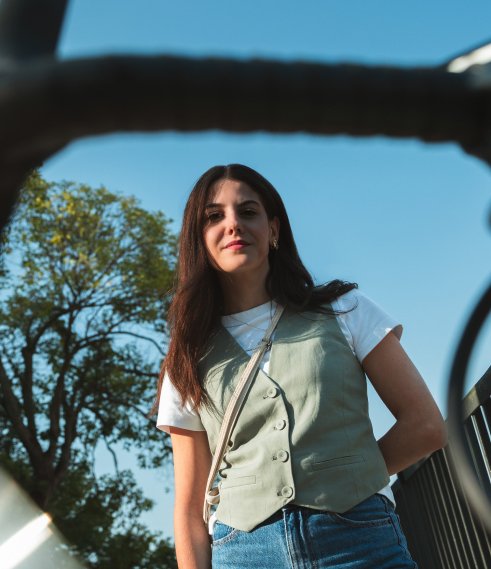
(275, 244)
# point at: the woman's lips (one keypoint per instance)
(236, 245)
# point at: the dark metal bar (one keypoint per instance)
(478, 395)
(464, 521)
(479, 497)
(44, 105)
(29, 28)
(486, 410)
(476, 452)
(447, 529)
(443, 531)
(484, 441)
(462, 528)
(94, 96)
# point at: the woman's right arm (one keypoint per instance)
(192, 462)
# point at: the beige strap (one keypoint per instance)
(212, 495)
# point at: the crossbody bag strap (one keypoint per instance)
(234, 408)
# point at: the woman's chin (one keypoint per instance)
(244, 270)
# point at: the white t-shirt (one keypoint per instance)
(364, 327)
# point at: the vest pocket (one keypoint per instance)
(239, 481)
(319, 463)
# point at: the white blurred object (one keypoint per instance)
(479, 56)
(28, 540)
(23, 543)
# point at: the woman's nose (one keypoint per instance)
(233, 223)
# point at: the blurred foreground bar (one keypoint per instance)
(28, 539)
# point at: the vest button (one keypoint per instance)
(280, 425)
(272, 392)
(287, 491)
(282, 455)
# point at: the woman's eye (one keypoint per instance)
(249, 213)
(213, 216)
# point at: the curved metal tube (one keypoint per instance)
(479, 497)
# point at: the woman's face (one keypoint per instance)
(237, 231)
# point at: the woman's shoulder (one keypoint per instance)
(172, 412)
(353, 299)
(364, 321)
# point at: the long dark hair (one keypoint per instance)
(196, 306)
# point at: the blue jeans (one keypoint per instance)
(368, 536)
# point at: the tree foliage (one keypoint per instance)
(83, 278)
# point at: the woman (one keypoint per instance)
(303, 481)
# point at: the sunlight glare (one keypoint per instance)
(24, 542)
(479, 56)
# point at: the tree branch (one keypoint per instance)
(26, 381)
(6, 354)
(139, 373)
(105, 271)
(113, 454)
(26, 378)
(139, 336)
(57, 400)
(93, 317)
(70, 432)
(14, 414)
(114, 400)
(55, 315)
(106, 441)
(88, 340)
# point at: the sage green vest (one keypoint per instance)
(304, 435)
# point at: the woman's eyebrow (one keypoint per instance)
(241, 204)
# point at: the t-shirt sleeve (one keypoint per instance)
(172, 413)
(365, 324)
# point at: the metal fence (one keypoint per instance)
(442, 532)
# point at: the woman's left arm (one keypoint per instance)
(419, 429)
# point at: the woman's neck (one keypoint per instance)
(242, 293)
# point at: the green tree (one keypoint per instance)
(83, 280)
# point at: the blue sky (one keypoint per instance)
(406, 220)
